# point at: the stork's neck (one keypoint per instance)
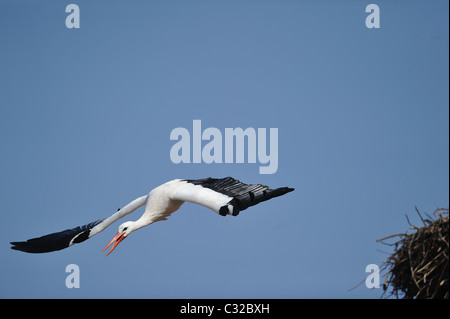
(150, 216)
(142, 222)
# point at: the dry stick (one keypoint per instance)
(387, 237)
(417, 210)
(410, 264)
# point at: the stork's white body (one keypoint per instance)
(160, 203)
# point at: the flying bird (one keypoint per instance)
(225, 196)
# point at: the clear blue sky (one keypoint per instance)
(86, 115)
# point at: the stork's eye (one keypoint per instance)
(125, 228)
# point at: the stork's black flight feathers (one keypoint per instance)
(242, 195)
(55, 241)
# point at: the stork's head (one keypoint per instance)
(124, 230)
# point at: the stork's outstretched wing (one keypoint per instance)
(225, 196)
(68, 237)
(56, 241)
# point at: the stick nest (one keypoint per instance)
(418, 268)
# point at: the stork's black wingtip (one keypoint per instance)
(15, 245)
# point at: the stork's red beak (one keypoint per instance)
(117, 239)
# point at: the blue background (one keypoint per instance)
(86, 114)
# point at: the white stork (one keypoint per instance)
(225, 196)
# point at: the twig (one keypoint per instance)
(418, 213)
